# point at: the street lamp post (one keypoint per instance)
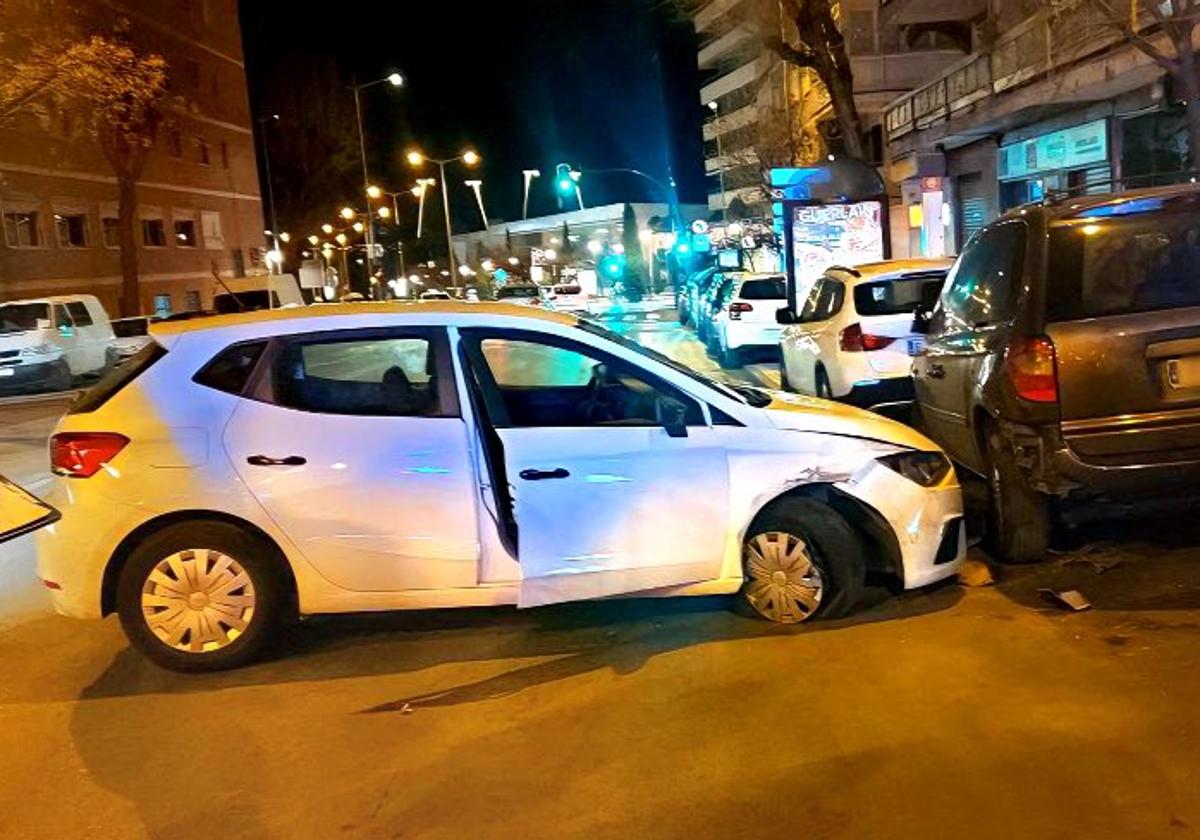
(423, 185)
(529, 174)
(712, 106)
(470, 158)
(262, 122)
(395, 80)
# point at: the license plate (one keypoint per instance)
(7, 371)
(915, 346)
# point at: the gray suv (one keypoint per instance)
(1062, 360)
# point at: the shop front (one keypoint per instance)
(1070, 161)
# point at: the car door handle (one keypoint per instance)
(538, 475)
(935, 371)
(264, 461)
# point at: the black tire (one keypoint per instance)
(832, 547)
(1018, 526)
(729, 359)
(61, 379)
(784, 384)
(824, 389)
(262, 564)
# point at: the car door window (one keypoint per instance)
(395, 374)
(79, 314)
(547, 381)
(62, 320)
(981, 288)
(808, 311)
(833, 292)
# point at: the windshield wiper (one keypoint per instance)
(755, 396)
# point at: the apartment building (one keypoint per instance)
(199, 210)
(766, 113)
(1051, 99)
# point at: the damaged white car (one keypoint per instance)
(247, 468)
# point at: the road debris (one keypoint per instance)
(1071, 599)
(975, 573)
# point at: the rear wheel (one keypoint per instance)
(1018, 516)
(730, 358)
(824, 389)
(202, 596)
(801, 560)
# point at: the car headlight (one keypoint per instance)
(924, 468)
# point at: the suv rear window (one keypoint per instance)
(896, 297)
(1122, 265)
(117, 378)
(772, 288)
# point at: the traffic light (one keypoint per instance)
(565, 179)
(612, 266)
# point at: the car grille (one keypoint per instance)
(9, 354)
(948, 549)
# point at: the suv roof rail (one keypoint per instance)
(1128, 182)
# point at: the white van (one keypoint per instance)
(48, 343)
(249, 294)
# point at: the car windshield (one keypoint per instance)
(516, 292)
(19, 317)
(895, 297)
(743, 394)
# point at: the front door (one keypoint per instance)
(354, 445)
(606, 500)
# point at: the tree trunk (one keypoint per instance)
(131, 302)
(841, 96)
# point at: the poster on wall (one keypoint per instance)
(834, 234)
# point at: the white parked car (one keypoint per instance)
(853, 338)
(246, 468)
(130, 336)
(48, 343)
(435, 294)
(568, 297)
(520, 293)
(743, 325)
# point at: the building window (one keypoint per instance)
(191, 301)
(202, 153)
(175, 143)
(224, 155)
(162, 306)
(22, 229)
(154, 234)
(110, 232)
(210, 227)
(72, 229)
(185, 233)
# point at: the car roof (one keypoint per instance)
(51, 299)
(1076, 206)
(333, 310)
(870, 272)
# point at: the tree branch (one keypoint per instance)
(799, 56)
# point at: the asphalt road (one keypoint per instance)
(952, 712)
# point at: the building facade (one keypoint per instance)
(1051, 100)
(199, 212)
(766, 113)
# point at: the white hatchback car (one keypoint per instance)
(247, 468)
(743, 325)
(853, 339)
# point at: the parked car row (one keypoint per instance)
(52, 342)
(733, 313)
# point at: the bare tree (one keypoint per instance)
(117, 94)
(1163, 30)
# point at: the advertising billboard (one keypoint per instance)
(834, 234)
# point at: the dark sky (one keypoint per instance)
(528, 83)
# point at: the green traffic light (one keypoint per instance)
(564, 185)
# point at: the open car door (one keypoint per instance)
(20, 512)
(616, 482)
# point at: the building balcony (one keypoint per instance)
(724, 123)
(712, 53)
(709, 14)
(930, 11)
(898, 72)
(741, 77)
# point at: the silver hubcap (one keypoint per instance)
(198, 600)
(784, 585)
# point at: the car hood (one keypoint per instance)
(19, 340)
(808, 414)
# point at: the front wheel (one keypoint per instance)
(801, 561)
(202, 596)
(824, 389)
(1018, 516)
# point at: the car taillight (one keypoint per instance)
(736, 309)
(82, 454)
(853, 340)
(1032, 369)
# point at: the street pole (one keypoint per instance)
(720, 160)
(529, 174)
(449, 237)
(262, 121)
(362, 152)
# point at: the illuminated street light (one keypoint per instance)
(314, 239)
(374, 191)
(594, 247)
(396, 79)
(327, 229)
(347, 213)
(285, 237)
(529, 174)
(341, 239)
(385, 212)
(358, 227)
(550, 254)
(414, 158)
(470, 158)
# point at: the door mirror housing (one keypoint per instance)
(671, 415)
(785, 316)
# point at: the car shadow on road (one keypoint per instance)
(619, 634)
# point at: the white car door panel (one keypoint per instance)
(615, 510)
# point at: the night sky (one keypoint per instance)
(597, 83)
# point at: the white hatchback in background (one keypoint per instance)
(744, 327)
(245, 468)
(853, 339)
(568, 297)
(50, 342)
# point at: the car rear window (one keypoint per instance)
(773, 288)
(230, 370)
(18, 317)
(896, 297)
(117, 378)
(516, 292)
(1123, 265)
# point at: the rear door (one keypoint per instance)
(970, 326)
(1124, 316)
(885, 307)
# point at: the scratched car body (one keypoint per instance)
(247, 468)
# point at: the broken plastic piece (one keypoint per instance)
(1071, 599)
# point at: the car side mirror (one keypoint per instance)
(785, 316)
(66, 330)
(671, 415)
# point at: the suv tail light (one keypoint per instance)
(736, 309)
(82, 454)
(1031, 367)
(853, 340)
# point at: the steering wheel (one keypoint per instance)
(599, 405)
